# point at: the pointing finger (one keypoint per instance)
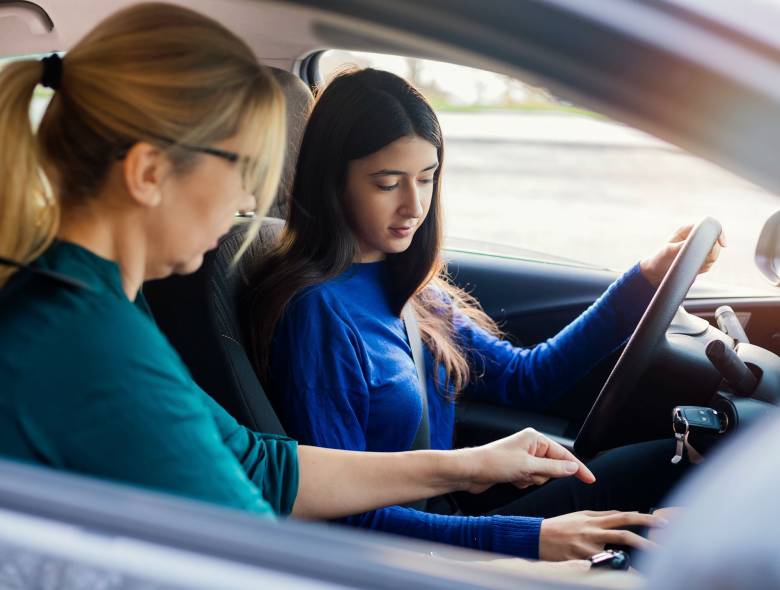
(560, 468)
(558, 451)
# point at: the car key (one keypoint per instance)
(701, 417)
(679, 447)
(688, 418)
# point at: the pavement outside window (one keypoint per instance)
(594, 191)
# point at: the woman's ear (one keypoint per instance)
(145, 167)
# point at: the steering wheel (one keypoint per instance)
(635, 359)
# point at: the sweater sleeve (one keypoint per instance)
(317, 367)
(511, 535)
(135, 417)
(535, 377)
(270, 461)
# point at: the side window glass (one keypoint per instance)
(530, 175)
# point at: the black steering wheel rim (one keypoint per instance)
(638, 352)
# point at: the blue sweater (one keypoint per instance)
(342, 368)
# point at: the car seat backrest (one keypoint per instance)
(198, 312)
(299, 104)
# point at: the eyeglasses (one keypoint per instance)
(246, 164)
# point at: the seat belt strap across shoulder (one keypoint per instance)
(422, 440)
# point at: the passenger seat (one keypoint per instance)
(198, 312)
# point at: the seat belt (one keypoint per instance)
(422, 439)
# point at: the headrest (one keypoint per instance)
(198, 314)
(299, 104)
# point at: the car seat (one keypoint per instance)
(198, 312)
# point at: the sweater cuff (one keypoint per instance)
(631, 294)
(638, 284)
(516, 535)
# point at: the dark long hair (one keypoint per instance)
(359, 113)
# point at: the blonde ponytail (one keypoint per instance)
(28, 213)
(149, 72)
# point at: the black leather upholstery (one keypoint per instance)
(198, 312)
(299, 104)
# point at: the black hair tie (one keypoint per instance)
(52, 72)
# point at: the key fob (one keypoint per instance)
(699, 417)
(688, 421)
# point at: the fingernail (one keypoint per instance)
(662, 522)
(571, 467)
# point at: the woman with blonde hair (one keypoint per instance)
(161, 125)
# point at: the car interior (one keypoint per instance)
(629, 397)
(532, 299)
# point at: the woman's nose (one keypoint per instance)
(412, 203)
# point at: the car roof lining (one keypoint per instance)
(281, 35)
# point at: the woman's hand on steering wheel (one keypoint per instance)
(524, 459)
(655, 267)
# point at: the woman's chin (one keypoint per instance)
(188, 267)
(398, 246)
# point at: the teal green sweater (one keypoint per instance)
(89, 384)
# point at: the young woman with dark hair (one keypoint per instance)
(362, 243)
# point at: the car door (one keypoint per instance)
(533, 299)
